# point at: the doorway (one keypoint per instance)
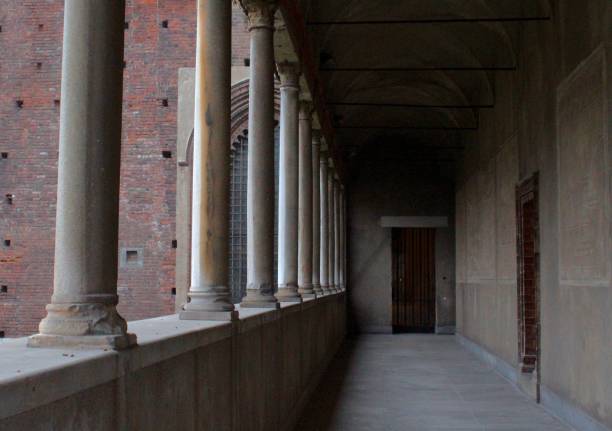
(414, 280)
(528, 275)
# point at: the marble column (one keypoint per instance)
(305, 207)
(82, 312)
(331, 197)
(316, 213)
(260, 177)
(343, 238)
(288, 185)
(209, 293)
(337, 237)
(324, 224)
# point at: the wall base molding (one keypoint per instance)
(556, 405)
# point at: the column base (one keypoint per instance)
(115, 342)
(218, 316)
(260, 304)
(310, 295)
(288, 294)
(260, 297)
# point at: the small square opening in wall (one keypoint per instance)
(4, 155)
(164, 102)
(56, 102)
(4, 288)
(130, 257)
(1, 334)
(165, 23)
(126, 25)
(167, 154)
(174, 243)
(39, 65)
(247, 62)
(7, 242)
(41, 26)
(19, 104)
(174, 290)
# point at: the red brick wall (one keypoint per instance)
(30, 135)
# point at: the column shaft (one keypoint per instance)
(260, 178)
(324, 222)
(288, 186)
(305, 208)
(337, 236)
(316, 212)
(331, 196)
(209, 292)
(83, 307)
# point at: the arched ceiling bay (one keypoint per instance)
(413, 70)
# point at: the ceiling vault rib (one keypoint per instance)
(401, 128)
(432, 21)
(418, 69)
(408, 105)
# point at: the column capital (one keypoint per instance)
(260, 13)
(289, 74)
(316, 137)
(306, 110)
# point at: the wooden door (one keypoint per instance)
(528, 275)
(414, 280)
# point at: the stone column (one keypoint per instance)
(305, 217)
(316, 213)
(331, 196)
(209, 292)
(324, 222)
(82, 312)
(288, 186)
(343, 238)
(260, 180)
(337, 237)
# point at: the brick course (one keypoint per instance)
(30, 42)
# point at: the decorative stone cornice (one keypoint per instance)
(306, 110)
(260, 13)
(289, 74)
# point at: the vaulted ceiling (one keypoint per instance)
(418, 71)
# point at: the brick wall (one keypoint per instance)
(160, 37)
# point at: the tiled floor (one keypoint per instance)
(420, 383)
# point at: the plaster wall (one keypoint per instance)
(254, 374)
(407, 192)
(552, 117)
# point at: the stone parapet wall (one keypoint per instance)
(253, 374)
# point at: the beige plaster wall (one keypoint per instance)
(553, 116)
(253, 375)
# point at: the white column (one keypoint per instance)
(316, 213)
(324, 222)
(288, 185)
(209, 293)
(305, 216)
(260, 179)
(83, 310)
(337, 237)
(331, 196)
(343, 238)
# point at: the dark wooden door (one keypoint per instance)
(414, 280)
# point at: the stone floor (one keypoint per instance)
(420, 383)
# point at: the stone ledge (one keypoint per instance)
(32, 377)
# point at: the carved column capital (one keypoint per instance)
(260, 13)
(306, 110)
(316, 137)
(289, 74)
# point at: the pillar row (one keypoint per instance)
(83, 310)
(260, 177)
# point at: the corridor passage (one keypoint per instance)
(420, 383)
